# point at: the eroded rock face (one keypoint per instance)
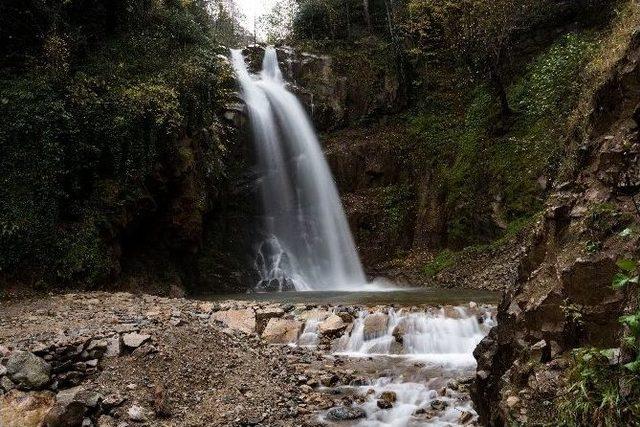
(563, 298)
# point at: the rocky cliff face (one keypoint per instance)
(337, 91)
(191, 228)
(562, 298)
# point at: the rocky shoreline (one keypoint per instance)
(100, 359)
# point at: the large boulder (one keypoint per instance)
(263, 316)
(375, 325)
(282, 331)
(28, 370)
(239, 320)
(333, 325)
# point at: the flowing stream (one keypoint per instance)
(309, 244)
(416, 364)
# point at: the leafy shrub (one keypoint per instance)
(598, 393)
(81, 136)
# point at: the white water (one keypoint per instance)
(428, 348)
(309, 238)
(431, 336)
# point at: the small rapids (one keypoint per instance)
(419, 361)
(432, 336)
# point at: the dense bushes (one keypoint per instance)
(90, 108)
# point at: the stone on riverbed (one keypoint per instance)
(263, 316)
(282, 331)
(332, 325)
(375, 325)
(28, 370)
(314, 314)
(345, 413)
(239, 320)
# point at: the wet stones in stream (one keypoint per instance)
(109, 359)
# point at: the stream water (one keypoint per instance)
(410, 351)
(416, 364)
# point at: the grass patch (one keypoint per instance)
(444, 259)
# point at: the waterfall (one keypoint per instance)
(309, 244)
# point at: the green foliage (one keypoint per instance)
(81, 136)
(551, 84)
(598, 392)
(472, 158)
(628, 275)
(398, 200)
(444, 259)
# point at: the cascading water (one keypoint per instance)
(432, 336)
(310, 246)
(418, 354)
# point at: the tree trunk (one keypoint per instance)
(367, 15)
(348, 14)
(400, 64)
(498, 85)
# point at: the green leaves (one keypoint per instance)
(633, 366)
(627, 274)
(627, 265)
(632, 321)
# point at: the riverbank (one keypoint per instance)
(106, 359)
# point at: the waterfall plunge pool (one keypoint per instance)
(397, 297)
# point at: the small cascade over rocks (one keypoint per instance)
(373, 365)
(309, 244)
(434, 335)
(421, 360)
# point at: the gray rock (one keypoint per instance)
(3, 370)
(6, 384)
(28, 370)
(439, 405)
(112, 401)
(136, 413)
(345, 413)
(65, 414)
(134, 339)
(113, 347)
